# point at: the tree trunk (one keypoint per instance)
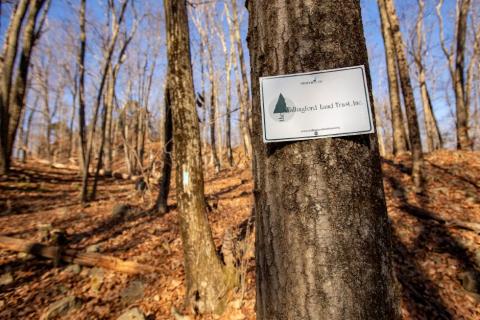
(229, 56)
(103, 135)
(245, 104)
(213, 109)
(108, 138)
(72, 119)
(207, 279)
(399, 136)
(81, 91)
(380, 136)
(161, 206)
(12, 92)
(434, 139)
(408, 98)
(463, 140)
(18, 92)
(322, 232)
(6, 76)
(26, 137)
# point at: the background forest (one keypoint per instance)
(86, 154)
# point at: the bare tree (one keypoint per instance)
(245, 103)
(400, 144)
(108, 102)
(208, 280)
(433, 136)
(213, 83)
(106, 65)
(408, 97)
(229, 55)
(81, 92)
(456, 65)
(13, 84)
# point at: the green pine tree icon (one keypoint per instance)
(281, 106)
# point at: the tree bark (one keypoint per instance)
(463, 139)
(408, 97)
(161, 205)
(322, 232)
(400, 144)
(208, 280)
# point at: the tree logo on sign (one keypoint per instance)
(279, 109)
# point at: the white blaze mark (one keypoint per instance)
(186, 178)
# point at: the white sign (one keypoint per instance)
(313, 105)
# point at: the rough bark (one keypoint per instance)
(207, 279)
(408, 97)
(322, 232)
(461, 108)
(433, 136)
(161, 205)
(399, 136)
(245, 103)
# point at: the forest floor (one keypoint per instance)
(435, 261)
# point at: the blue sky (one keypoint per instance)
(62, 15)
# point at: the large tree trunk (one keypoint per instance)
(245, 103)
(161, 205)
(408, 98)
(399, 136)
(322, 233)
(463, 140)
(207, 279)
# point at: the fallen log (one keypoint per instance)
(90, 259)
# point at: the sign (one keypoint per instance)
(321, 104)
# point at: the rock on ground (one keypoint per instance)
(60, 308)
